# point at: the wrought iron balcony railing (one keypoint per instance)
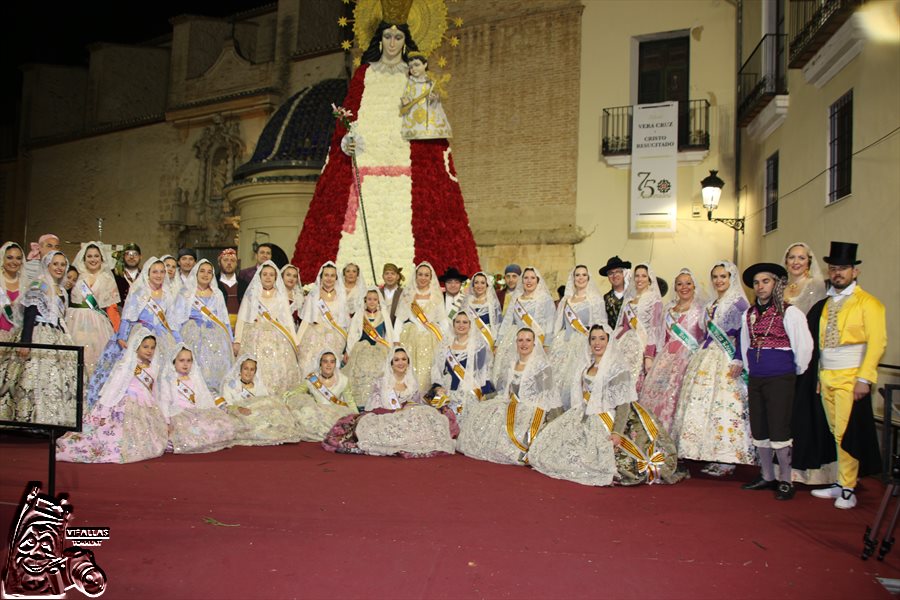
(693, 127)
(762, 77)
(812, 23)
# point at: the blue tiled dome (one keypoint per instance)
(299, 133)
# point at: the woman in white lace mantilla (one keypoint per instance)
(370, 339)
(396, 421)
(46, 390)
(685, 330)
(462, 368)
(11, 314)
(712, 420)
(582, 305)
(290, 275)
(502, 430)
(200, 315)
(322, 398)
(93, 314)
(606, 437)
(196, 423)
(325, 317)
(126, 424)
(262, 419)
(422, 321)
(146, 310)
(481, 299)
(265, 329)
(531, 306)
(640, 330)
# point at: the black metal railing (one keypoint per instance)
(693, 127)
(812, 23)
(762, 76)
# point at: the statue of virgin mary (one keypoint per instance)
(414, 209)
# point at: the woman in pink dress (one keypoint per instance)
(684, 332)
(126, 424)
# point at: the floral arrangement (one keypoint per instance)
(343, 115)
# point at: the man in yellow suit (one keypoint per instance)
(852, 339)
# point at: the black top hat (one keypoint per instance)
(751, 272)
(452, 273)
(663, 286)
(842, 253)
(614, 263)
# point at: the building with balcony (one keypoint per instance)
(825, 165)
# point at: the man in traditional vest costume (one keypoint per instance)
(232, 288)
(615, 271)
(392, 288)
(852, 338)
(775, 346)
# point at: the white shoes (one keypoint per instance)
(847, 499)
(843, 497)
(832, 491)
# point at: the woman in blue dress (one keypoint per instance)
(145, 313)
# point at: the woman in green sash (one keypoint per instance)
(685, 330)
(93, 315)
(712, 419)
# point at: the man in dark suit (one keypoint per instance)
(392, 288)
(452, 281)
(232, 288)
(263, 253)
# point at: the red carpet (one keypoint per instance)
(318, 525)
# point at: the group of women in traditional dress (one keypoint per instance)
(553, 386)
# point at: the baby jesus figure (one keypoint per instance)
(423, 115)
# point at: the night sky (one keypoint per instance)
(59, 33)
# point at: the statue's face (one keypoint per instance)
(37, 555)
(416, 67)
(392, 41)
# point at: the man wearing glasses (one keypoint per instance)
(852, 338)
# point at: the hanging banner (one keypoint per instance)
(654, 167)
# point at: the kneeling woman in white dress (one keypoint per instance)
(125, 424)
(396, 421)
(606, 437)
(262, 419)
(321, 399)
(502, 430)
(265, 329)
(370, 339)
(196, 424)
(462, 368)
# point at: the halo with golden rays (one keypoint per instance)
(427, 23)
